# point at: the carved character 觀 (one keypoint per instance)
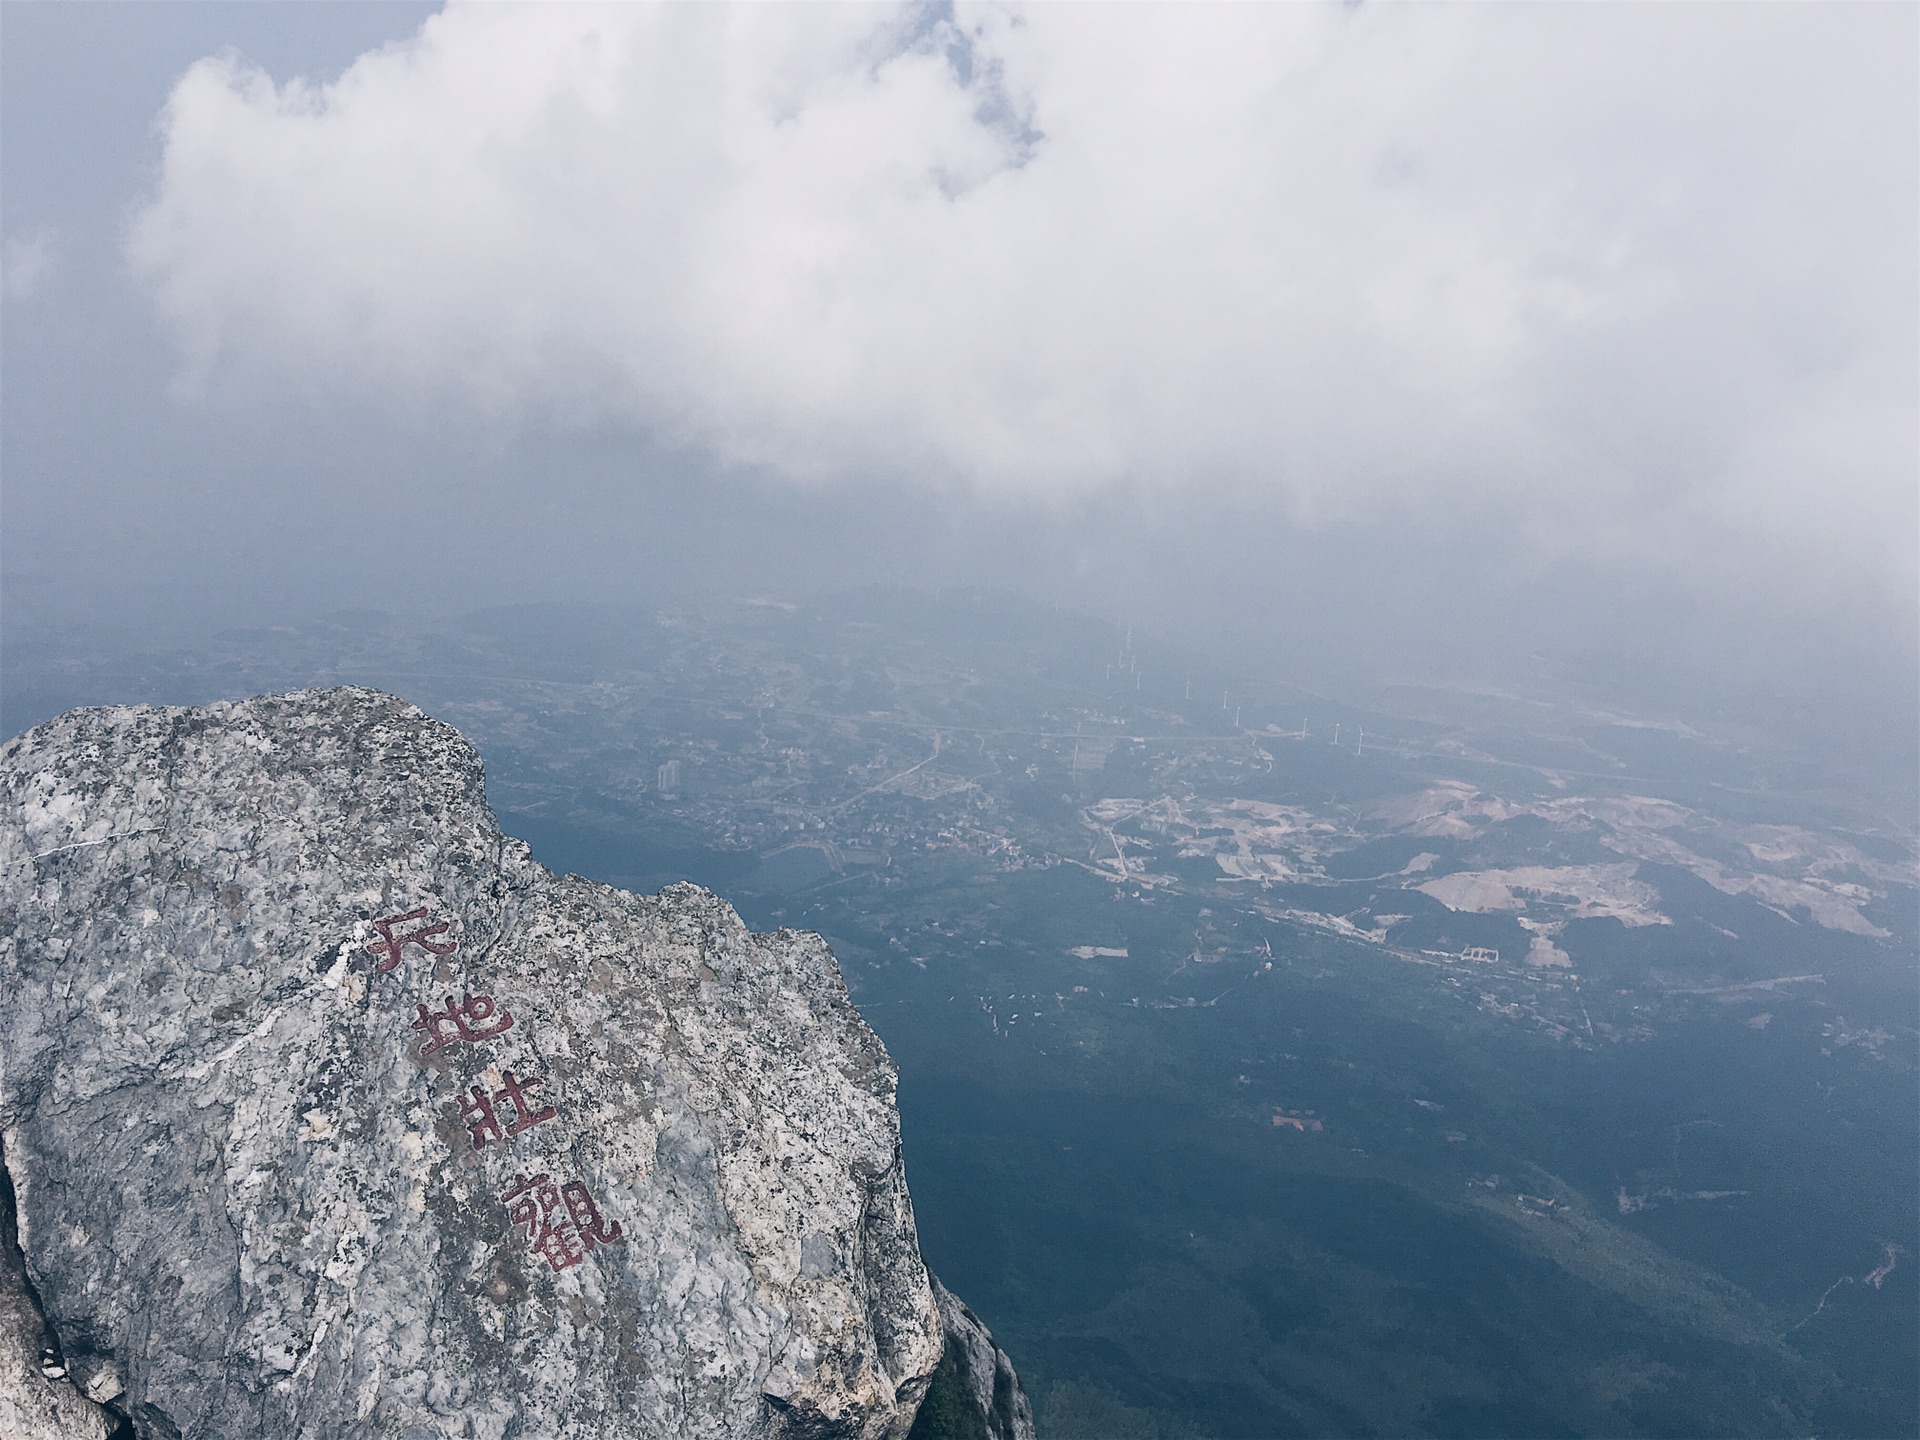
(561, 1222)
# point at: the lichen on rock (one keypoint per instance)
(330, 1113)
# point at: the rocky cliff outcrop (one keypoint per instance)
(975, 1394)
(329, 1113)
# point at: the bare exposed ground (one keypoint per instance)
(1580, 891)
(1800, 873)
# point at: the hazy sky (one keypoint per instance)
(1427, 330)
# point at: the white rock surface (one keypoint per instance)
(248, 1198)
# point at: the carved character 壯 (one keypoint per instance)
(390, 945)
(478, 1114)
(474, 1018)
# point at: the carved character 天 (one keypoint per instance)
(389, 946)
(475, 1017)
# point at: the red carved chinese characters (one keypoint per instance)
(586, 1217)
(516, 1089)
(561, 1221)
(474, 1018)
(478, 1114)
(535, 1206)
(390, 945)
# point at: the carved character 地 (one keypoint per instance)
(473, 1017)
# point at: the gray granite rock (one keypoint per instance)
(37, 1398)
(536, 1158)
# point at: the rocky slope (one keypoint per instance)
(329, 1113)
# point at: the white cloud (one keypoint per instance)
(25, 265)
(1643, 274)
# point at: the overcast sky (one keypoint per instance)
(1433, 330)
